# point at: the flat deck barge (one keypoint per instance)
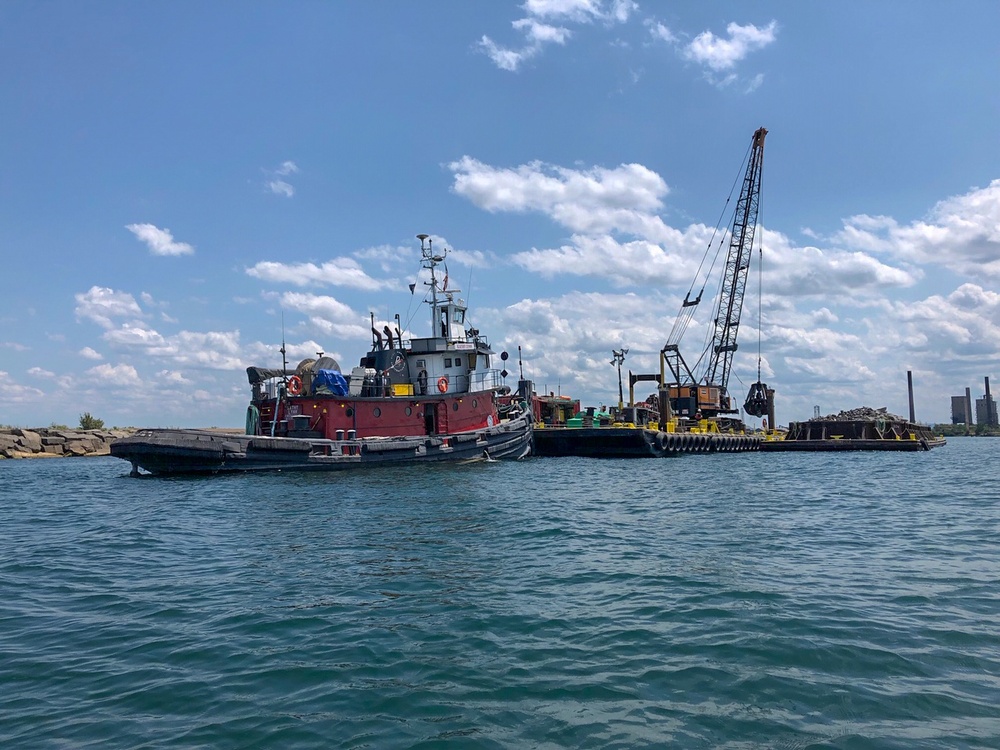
(872, 430)
(634, 442)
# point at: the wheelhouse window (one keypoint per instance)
(447, 361)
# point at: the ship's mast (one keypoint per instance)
(443, 298)
(430, 261)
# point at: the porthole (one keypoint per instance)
(475, 403)
(377, 412)
(349, 412)
(408, 411)
(454, 406)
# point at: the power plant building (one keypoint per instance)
(986, 411)
(958, 409)
(986, 408)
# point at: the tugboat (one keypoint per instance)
(409, 400)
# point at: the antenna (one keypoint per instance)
(283, 391)
(429, 262)
(284, 362)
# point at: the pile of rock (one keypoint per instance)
(53, 442)
(861, 414)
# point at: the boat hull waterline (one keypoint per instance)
(875, 430)
(177, 452)
(631, 442)
(827, 446)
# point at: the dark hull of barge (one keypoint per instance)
(632, 442)
(184, 452)
(858, 435)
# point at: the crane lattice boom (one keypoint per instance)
(734, 281)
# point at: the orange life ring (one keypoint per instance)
(295, 385)
(443, 384)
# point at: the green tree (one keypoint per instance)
(88, 422)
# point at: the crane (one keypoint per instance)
(708, 394)
(734, 279)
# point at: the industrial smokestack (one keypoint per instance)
(909, 386)
(991, 418)
(968, 410)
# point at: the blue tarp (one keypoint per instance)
(329, 381)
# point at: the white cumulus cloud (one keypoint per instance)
(722, 53)
(594, 200)
(539, 30)
(327, 314)
(114, 375)
(88, 353)
(13, 393)
(280, 187)
(340, 272)
(101, 305)
(961, 233)
(277, 184)
(159, 241)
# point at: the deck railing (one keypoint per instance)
(475, 382)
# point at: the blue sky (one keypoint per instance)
(183, 181)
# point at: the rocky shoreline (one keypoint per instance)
(54, 442)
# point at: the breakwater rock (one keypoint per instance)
(55, 442)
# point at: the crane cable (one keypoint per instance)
(717, 297)
(688, 307)
(760, 273)
(757, 401)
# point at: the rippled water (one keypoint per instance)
(709, 601)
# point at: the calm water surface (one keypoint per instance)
(709, 601)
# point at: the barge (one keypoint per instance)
(861, 429)
(630, 432)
